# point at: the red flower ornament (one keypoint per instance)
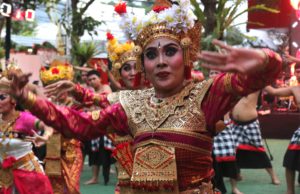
(120, 8)
(158, 9)
(8, 162)
(109, 36)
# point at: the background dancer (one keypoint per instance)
(20, 169)
(246, 131)
(291, 160)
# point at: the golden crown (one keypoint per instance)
(174, 20)
(119, 54)
(5, 78)
(161, 30)
(58, 70)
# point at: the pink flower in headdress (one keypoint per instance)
(43, 69)
(120, 8)
(158, 9)
(109, 36)
(8, 162)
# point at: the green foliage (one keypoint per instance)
(83, 52)
(74, 21)
(22, 48)
(2, 52)
(217, 17)
(48, 45)
(24, 28)
(45, 45)
(227, 11)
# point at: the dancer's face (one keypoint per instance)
(6, 103)
(128, 74)
(164, 66)
(94, 81)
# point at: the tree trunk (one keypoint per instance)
(75, 21)
(209, 11)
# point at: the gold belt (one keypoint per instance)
(6, 176)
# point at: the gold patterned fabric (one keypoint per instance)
(163, 127)
(27, 162)
(64, 164)
(146, 113)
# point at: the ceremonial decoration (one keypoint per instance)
(58, 70)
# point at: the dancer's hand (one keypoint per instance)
(37, 139)
(242, 60)
(104, 67)
(59, 88)
(19, 81)
(292, 59)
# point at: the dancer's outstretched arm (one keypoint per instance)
(70, 122)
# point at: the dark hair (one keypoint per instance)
(35, 82)
(93, 72)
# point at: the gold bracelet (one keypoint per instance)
(30, 100)
(227, 82)
(266, 56)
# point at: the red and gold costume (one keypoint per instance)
(64, 169)
(172, 136)
(20, 170)
(64, 156)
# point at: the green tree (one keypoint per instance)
(24, 28)
(217, 16)
(74, 20)
(83, 52)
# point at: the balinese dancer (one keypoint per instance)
(246, 133)
(224, 150)
(20, 170)
(123, 73)
(291, 160)
(64, 157)
(173, 123)
(124, 70)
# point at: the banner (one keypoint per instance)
(268, 19)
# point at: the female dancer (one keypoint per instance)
(20, 170)
(172, 123)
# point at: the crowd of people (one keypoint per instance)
(166, 131)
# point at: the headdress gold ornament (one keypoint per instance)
(174, 20)
(58, 70)
(119, 54)
(5, 78)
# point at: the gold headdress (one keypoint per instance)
(5, 78)
(175, 21)
(119, 54)
(58, 70)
